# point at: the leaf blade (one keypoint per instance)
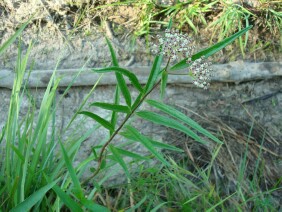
(154, 73)
(133, 134)
(112, 107)
(168, 122)
(119, 159)
(98, 119)
(29, 202)
(211, 50)
(182, 117)
(112, 51)
(132, 77)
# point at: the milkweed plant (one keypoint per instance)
(175, 47)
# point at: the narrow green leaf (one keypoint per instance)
(14, 37)
(155, 209)
(112, 107)
(114, 116)
(75, 180)
(132, 77)
(131, 154)
(165, 146)
(154, 73)
(137, 206)
(100, 120)
(119, 159)
(137, 101)
(94, 206)
(124, 89)
(156, 144)
(168, 122)
(182, 117)
(163, 83)
(18, 153)
(211, 50)
(69, 202)
(28, 203)
(135, 135)
(114, 58)
(169, 23)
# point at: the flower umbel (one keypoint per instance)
(173, 44)
(199, 70)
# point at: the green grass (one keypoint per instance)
(220, 18)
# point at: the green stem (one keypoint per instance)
(101, 156)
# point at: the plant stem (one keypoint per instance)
(100, 159)
(117, 131)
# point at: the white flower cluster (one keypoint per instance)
(173, 44)
(199, 69)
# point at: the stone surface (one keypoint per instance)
(221, 99)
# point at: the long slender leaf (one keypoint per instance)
(182, 117)
(156, 144)
(28, 203)
(92, 206)
(154, 73)
(168, 122)
(114, 116)
(119, 159)
(132, 77)
(131, 154)
(135, 135)
(75, 180)
(69, 202)
(211, 50)
(113, 55)
(165, 146)
(123, 88)
(155, 209)
(163, 83)
(112, 107)
(137, 205)
(14, 37)
(100, 120)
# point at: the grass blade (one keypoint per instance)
(137, 205)
(100, 120)
(211, 50)
(28, 203)
(168, 122)
(182, 117)
(77, 186)
(132, 77)
(69, 202)
(94, 206)
(112, 107)
(14, 37)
